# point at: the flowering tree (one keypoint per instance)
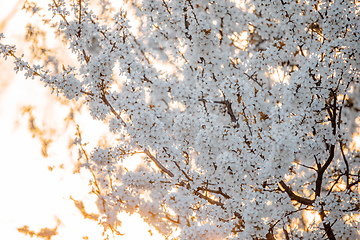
(243, 112)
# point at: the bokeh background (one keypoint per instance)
(44, 194)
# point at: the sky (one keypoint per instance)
(38, 186)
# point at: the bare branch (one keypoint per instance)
(103, 97)
(336, 181)
(328, 230)
(158, 164)
(172, 220)
(227, 103)
(252, 78)
(211, 201)
(347, 171)
(185, 174)
(214, 191)
(294, 196)
(321, 171)
(306, 166)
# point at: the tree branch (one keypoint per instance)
(322, 170)
(214, 191)
(294, 196)
(327, 226)
(158, 164)
(185, 174)
(227, 103)
(211, 201)
(103, 97)
(347, 171)
(252, 78)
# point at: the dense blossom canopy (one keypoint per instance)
(243, 111)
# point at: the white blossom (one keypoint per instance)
(237, 140)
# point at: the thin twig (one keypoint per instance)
(347, 171)
(336, 181)
(251, 77)
(214, 191)
(158, 164)
(211, 201)
(103, 97)
(306, 166)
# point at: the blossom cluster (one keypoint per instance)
(238, 140)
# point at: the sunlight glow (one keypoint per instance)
(177, 105)
(311, 217)
(44, 193)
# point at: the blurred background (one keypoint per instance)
(44, 194)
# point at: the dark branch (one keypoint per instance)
(214, 191)
(294, 196)
(321, 171)
(187, 176)
(252, 78)
(347, 171)
(227, 103)
(328, 230)
(211, 201)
